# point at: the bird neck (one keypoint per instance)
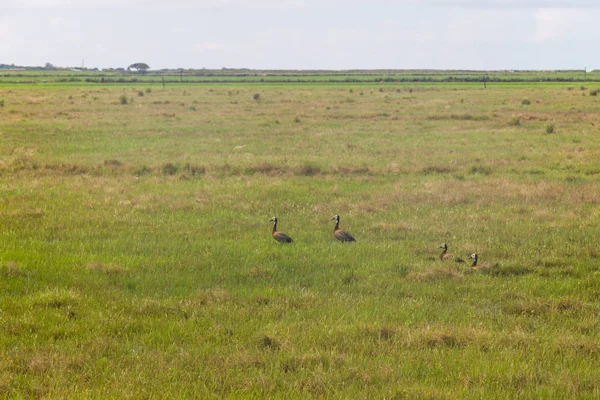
(474, 262)
(274, 226)
(337, 225)
(444, 250)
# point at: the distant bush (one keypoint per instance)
(594, 92)
(515, 121)
(140, 93)
(1, 102)
(123, 99)
(297, 120)
(525, 102)
(148, 90)
(256, 96)
(549, 129)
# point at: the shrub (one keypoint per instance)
(549, 129)
(515, 121)
(1, 102)
(256, 96)
(123, 99)
(594, 92)
(525, 102)
(140, 93)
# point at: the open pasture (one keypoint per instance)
(136, 259)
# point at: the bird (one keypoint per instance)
(475, 258)
(340, 234)
(446, 256)
(279, 236)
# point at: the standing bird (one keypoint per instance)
(340, 234)
(446, 256)
(474, 257)
(279, 236)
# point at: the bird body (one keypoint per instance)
(447, 256)
(279, 236)
(339, 234)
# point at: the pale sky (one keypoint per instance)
(303, 34)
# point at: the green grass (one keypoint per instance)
(136, 257)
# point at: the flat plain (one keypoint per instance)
(136, 257)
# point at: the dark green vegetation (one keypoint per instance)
(136, 257)
(225, 75)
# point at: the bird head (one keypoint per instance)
(443, 246)
(336, 218)
(473, 256)
(273, 220)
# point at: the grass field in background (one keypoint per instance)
(136, 259)
(65, 76)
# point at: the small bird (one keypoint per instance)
(340, 234)
(474, 257)
(279, 236)
(446, 256)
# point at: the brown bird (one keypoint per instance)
(279, 236)
(340, 234)
(446, 256)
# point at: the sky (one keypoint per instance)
(303, 34)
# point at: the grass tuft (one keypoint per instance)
(11, 269)
(515, 121)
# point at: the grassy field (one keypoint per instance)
(136, 259)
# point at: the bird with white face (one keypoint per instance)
(279, 236)
(338, 233)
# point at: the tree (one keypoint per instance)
(140, 67)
